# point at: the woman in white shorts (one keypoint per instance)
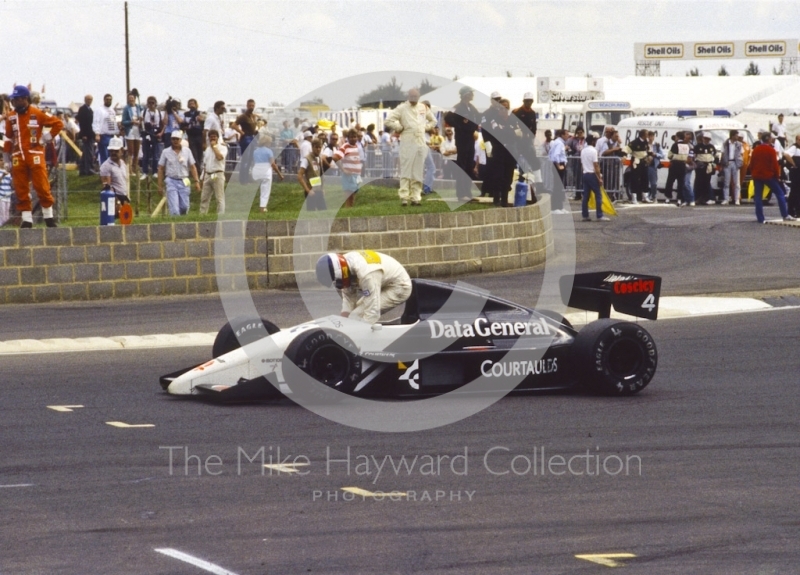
(131, 122)
(263, 167)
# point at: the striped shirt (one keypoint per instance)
(5, 185)
(350, 155)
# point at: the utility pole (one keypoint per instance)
(127, 56)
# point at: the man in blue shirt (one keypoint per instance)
(558, 156)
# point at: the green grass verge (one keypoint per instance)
(285, 203)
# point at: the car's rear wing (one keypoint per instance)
(632, 294)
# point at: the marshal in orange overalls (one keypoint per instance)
(24, 141)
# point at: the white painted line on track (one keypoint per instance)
(18, 485)
(63, 344)
(669, 307)
(202, 564)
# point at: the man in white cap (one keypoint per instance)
(369, 282)
(176, 165)
(410, 120)
(114, 172)
(305, 144)
(704, 157)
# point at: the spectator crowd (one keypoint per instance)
(173, 148)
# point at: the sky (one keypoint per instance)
(281, 51)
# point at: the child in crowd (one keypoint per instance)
(310, 176)
(6, 191)
(351, 161)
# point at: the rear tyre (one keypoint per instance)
(318, 362)
(239, 332)
(615, 357)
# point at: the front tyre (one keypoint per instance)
(615, 357)
(320, 361)
(239, 332)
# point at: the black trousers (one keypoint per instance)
(87, 159)
(702, 186)
(150, 155)
(196, 147)
(640, 185)
(794, 193)
(557, 196)
(465, 162)
(677, 173)
(315, 202)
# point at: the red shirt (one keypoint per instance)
(764, 162)
(351, 158)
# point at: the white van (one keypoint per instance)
(595, 115)
(667, 126)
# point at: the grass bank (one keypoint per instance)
(286, 202)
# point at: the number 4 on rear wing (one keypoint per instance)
(631, 294)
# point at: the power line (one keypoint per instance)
(326, 43)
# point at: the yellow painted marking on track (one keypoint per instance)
(285, 467)
(381, 494)
(127, 425)
(63, 408)
(606, 559)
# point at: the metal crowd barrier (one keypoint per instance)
(611, 168)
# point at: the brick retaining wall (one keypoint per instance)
(83, 263)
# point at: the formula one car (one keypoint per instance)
(449, 338)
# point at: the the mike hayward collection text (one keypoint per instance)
(496, 460)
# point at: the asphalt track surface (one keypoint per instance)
(711, 446)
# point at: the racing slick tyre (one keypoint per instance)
(239, 332)
(615, 357)
(318, 362)
(556, 316)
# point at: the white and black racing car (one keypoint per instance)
(449, 338)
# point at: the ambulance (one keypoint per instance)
(595, 115)
(665, 127)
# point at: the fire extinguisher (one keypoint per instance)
(108, 201)
(521, 192)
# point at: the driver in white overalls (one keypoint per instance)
(369, 282)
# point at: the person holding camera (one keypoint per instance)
(173, 119)
(194, 119)
(132, 124)
(151, 138)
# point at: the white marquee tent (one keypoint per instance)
(646, 94)
(786, 101)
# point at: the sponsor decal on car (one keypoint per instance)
(519, 368)
(205, 365)
(411, 373)
(635, 286)
(483, 327)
